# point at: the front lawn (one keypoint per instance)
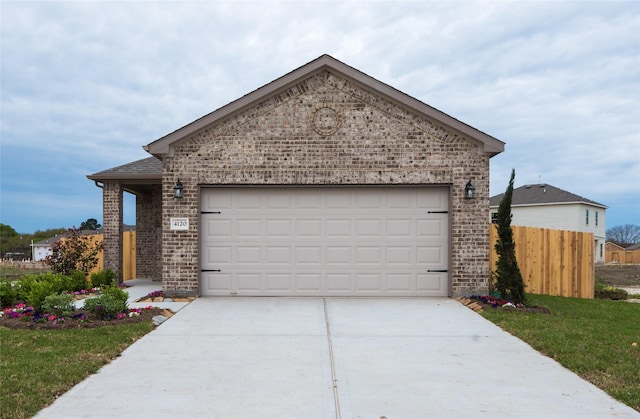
(593, 338)
(37, 366)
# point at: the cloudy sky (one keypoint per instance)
(85, 84)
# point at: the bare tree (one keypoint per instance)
(624, 235)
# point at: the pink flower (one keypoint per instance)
(51, 318)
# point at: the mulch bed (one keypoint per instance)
(90, 321)
(478, 306)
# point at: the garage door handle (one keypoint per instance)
(437, 212)
(210, 212)
(437, 270)
(210, 270)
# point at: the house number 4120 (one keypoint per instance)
(179, 224)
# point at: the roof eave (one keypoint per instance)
(541, 204)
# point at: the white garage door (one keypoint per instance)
(321, 241)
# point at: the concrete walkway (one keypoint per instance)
(242, 357)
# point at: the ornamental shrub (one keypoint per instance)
(38, 292)
(60, 304)
(104, 278)
(78, 281)
(74, 252)
(509, 281)
(7, 294)
(610, 293)
(111, 302)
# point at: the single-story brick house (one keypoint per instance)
(323, 182)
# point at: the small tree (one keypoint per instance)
(73, 252)
(509, 280)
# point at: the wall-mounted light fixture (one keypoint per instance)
(469, 190)
(177, 190)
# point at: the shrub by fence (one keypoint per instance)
(552, 262)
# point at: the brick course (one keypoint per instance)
(327, 130)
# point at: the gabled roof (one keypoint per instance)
(542, 194)
(162, 146)
(148, 169)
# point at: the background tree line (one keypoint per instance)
(12, 241)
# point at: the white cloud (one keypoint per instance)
(86, 84)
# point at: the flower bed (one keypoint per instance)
(480, 302)
(22, 316)
(159, 297)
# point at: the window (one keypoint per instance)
(494, 217)
(587, 217)
(596, 218)
(601, 246)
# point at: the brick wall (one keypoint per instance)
(328, 131)
(149, 233)
(112, 226)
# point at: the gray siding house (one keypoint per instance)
(324, 182)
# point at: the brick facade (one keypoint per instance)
(149, 233)
(112, 226)
(328, 130)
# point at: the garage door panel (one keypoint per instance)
(324, 241)
(339, 282)
(402, 228)
(368, 228)
(245, 200)
(338, 255)
(218, 228)
(400, 200)
(368, 201)
(368, 255)
(339, 200)
(308, 255)
(431, 229)
(248, 228)
(247, 255)
(278, 255)
(309, 228)
(307, 200)
(399, 255)
(248, 282)
(367, 282)
(338, 228)
(400, 283)
(279, 282)
(217, 283)
(310, 282)
(279, 228)
(431, 255)
(214, 256)
(431, 283)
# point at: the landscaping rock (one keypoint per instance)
(158, 320)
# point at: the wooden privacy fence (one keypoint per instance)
(128, 254)
(623, 256)
(552, 262)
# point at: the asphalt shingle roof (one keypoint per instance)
(541, 193)
(150, 168)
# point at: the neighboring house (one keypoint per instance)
(545, 206)
(619, 254)
(324, 182)
(42, 249)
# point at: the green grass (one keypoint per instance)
(36, 366)
(592, 338)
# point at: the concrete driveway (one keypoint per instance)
(332, 358)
